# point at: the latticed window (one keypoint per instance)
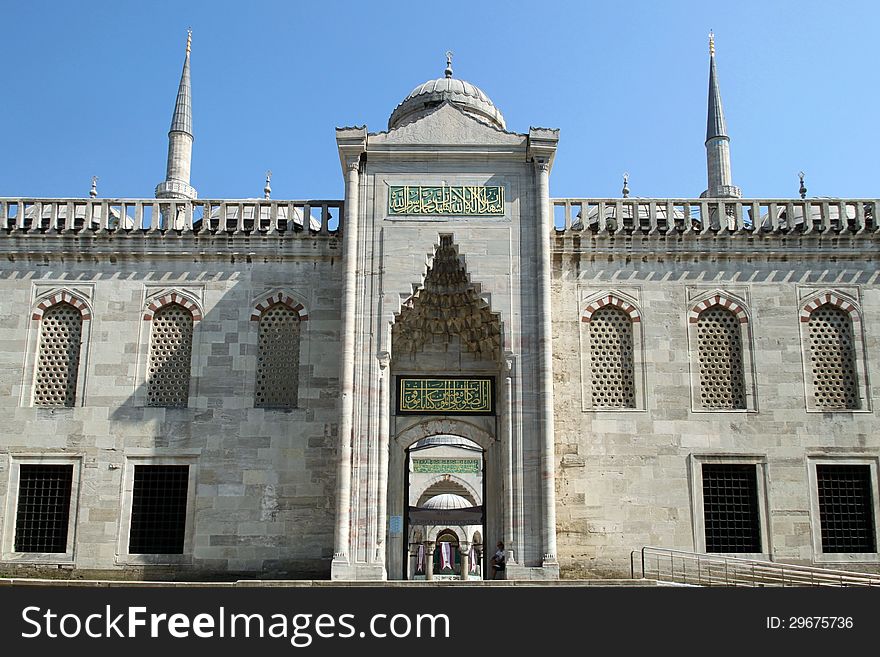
(58, 359)
(43, 512)
(611, 359)
(730, 508)
(170, 356)
(720, 355)
(833, 359)
(277, 379)
(846, 508)
(158, 509)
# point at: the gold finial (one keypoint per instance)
(189, 38)
(448, 64)
(711, 42)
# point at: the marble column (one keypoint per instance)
(463, 549)
(545, 342)
(382, 494)
(429, 560)
(349, 250)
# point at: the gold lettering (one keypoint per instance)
(443, 200)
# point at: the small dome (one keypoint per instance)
(447, 501)
(446, 440)
(432, 93)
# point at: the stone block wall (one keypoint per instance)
(626, 478)
(264, 481)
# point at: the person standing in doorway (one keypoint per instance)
(499, 561)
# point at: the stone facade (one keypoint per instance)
(264, 478)
(778, 297)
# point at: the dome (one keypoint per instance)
(447, 501)
(466, 96)
(445, 440)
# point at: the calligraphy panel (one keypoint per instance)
(444, 200)
(443, 466)
(446, 396)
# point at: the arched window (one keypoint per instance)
(277, 375)
(58, 357)
(611, 359)
(833, 359)
(720, 359)
(170, 357)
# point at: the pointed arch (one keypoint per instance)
(182, 299)
(61, 295)
(283, 298)
(724, 300)
(837, 300)
(614, 300)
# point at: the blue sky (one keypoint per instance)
(89, 88)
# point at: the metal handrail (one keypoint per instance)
(679, 566)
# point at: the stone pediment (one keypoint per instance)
(447, 126)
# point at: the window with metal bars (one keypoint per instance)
(730, 508)
(158, 509)
(846, 508)
(43, 513)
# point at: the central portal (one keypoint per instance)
(445, 367)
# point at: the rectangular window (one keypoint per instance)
(158, 509)
(846, 508)
(730, 508)
(43, 514)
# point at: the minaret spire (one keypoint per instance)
(180, 139)
(717, 140)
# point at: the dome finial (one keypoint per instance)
(94, 191)
(625, 190)
(448, 71)
(267, 190)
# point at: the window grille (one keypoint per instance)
(611, 359)
(43, 512)
(720, 353)
(832, 359)
(846, 508)
(730, 508)
(277, 378)
(170, 357)
(58, 360)
(158, 509)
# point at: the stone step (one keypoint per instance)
(307, 583)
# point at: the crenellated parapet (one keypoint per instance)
(166, 218)
(717, 220)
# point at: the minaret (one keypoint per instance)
(180, 139)
(717, 142)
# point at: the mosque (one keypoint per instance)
(388, 385)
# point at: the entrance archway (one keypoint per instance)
(445, 375)
(444, 508)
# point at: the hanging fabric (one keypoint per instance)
(445, 556)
